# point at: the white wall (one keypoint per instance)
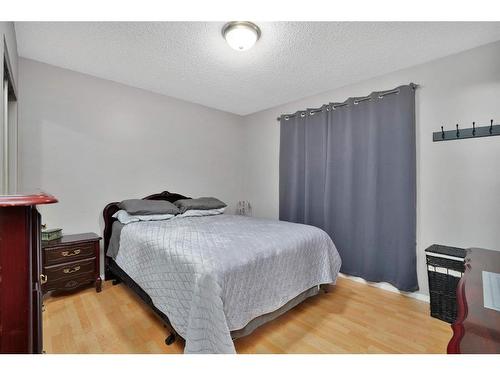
(90, 141)
(458, 182)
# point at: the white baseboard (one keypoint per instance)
(388, 287)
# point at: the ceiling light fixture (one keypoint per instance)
(241, 35)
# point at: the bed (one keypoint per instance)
(214, 279)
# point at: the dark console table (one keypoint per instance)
(477, 328)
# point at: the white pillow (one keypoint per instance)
(193, 213)
(125, 218)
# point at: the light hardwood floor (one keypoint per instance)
(351, 318)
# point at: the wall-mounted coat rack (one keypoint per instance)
(474, 132)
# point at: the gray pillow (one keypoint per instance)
(204, 203)
(148, 207)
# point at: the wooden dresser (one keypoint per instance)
(477, 328)
(21, 273)
(71, 262)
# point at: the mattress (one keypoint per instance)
(216, 274)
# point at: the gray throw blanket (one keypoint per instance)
(212, 275)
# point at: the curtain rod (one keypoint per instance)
(357, 100)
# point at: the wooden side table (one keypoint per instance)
(71, 262)
(477, 328)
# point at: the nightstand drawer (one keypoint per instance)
(71, 253)
(69, 283)
(69, 270)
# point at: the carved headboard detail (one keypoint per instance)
(112, 208)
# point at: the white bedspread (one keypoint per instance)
(212, 275)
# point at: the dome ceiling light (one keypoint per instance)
(241, 35)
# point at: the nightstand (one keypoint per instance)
(71, 262)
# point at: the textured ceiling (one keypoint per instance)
(292, 60)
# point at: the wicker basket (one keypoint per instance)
(444, 275)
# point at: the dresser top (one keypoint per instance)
(72, 238)
(26, 199)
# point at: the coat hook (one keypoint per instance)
(491, 126)
(473, 128)
(442, 132)
(458, 132)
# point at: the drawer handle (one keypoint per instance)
(73, 253)
(43, 279)
(71, 270)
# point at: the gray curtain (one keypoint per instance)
(351, 171)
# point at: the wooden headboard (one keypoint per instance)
(112, 208)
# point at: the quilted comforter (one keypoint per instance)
(214, 274)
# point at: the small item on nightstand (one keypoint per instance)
(51, 234)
